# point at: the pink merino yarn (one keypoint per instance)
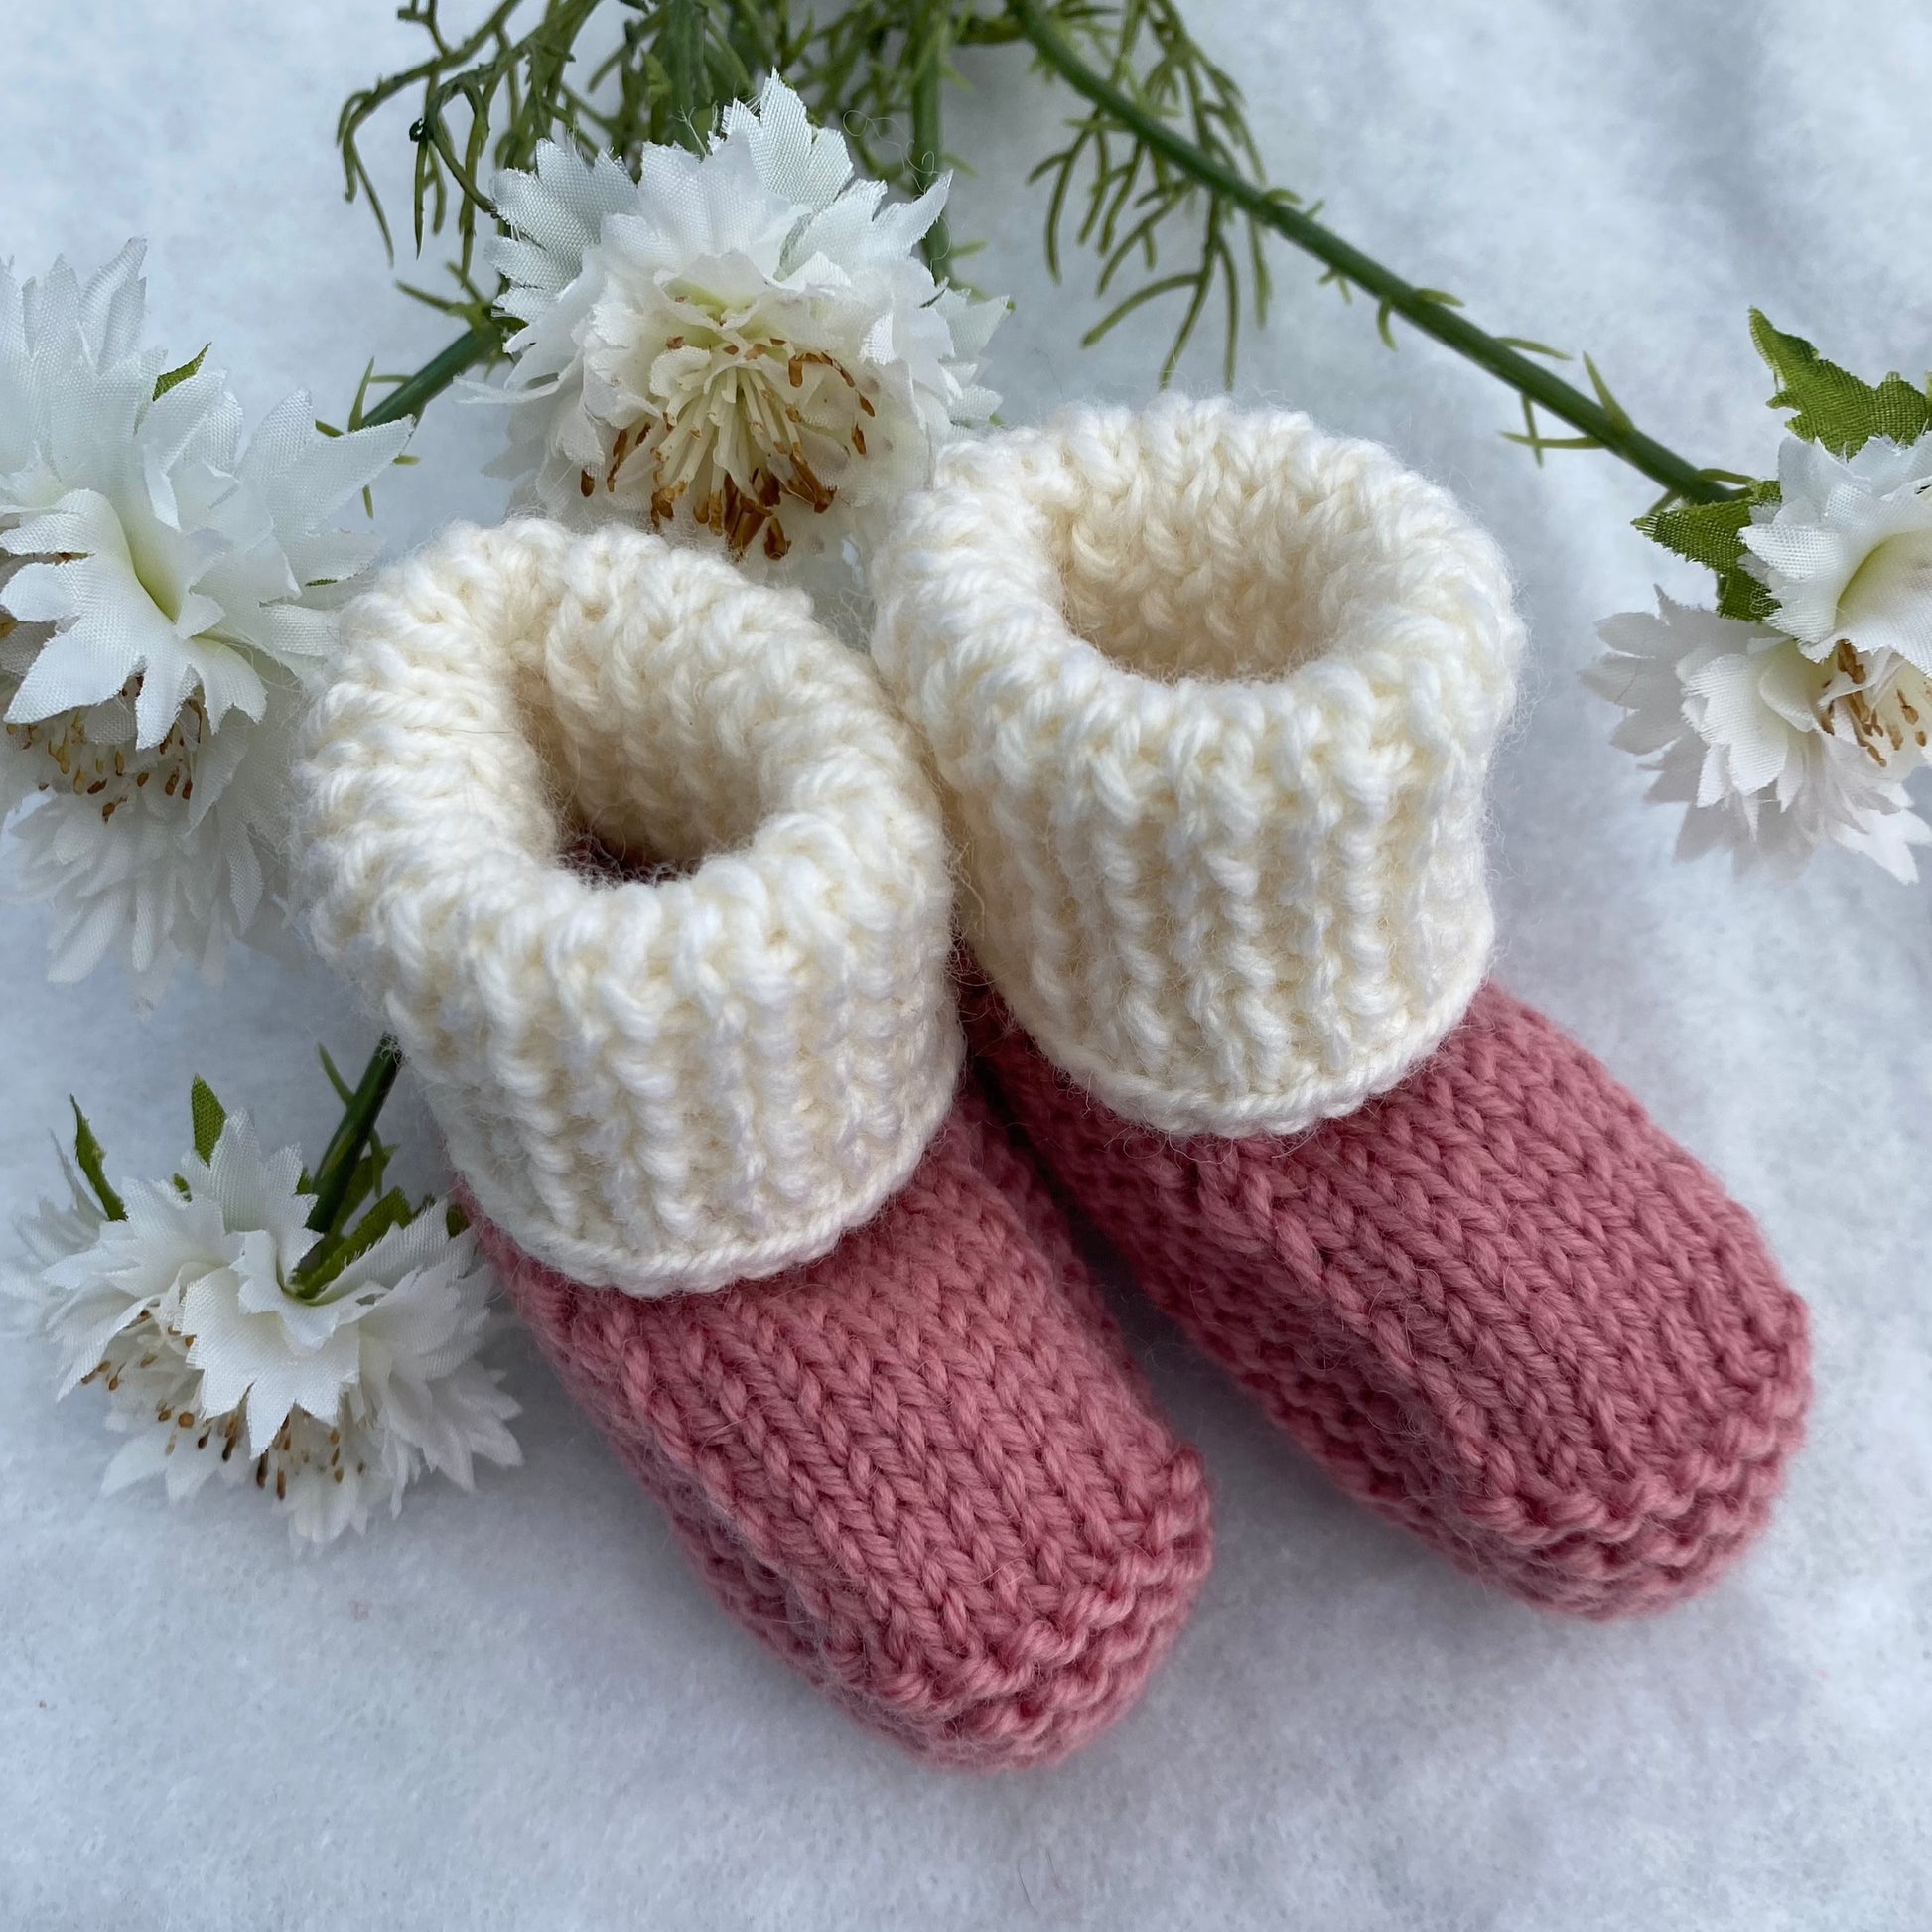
(923, 1469)
(1497, 1304)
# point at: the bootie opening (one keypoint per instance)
(711, 1061)
(662, 738)
(1197, 543)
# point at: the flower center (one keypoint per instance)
(1884, 716)
(89, 752)
(752, 431)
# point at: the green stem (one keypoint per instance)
(412, 397)
(1420, 307)
(928, 40)
(336, 1167)
(681, 45)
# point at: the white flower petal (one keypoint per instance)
(795, 160)
(1888, 602)
(1754, 738)
(304, 475)
(1862, 522)
(138, 1459)
(111, 307)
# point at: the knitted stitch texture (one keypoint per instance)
(1210, 697)
(709, 1070)
(921, 1468)
(1499, 1305)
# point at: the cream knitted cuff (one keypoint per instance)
(1211, 697)
(663, 1083)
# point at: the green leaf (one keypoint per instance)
(1529, 345)
(1713, 534)
(209, 1116)
(1613, 409)
(1833, 408)
(343, 1091)
(173, 378)
(88, 1157)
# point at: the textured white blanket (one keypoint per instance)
(519, 1710)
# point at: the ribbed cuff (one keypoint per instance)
(707, 1070)
(1211, 697)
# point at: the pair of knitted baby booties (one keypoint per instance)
(1184, 719)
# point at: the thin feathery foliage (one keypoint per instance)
(1117, 195)
(1158, 160)
(489, 98)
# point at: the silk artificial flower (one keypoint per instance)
(186, 1305)
(1772, 751)
(167, 590)
(744, 343)
(1847, 554)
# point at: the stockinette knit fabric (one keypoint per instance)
(920, 1469)
(1210, 697)
(1497, 1304)
(642, 868)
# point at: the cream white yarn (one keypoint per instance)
(1211, 697)
(658, 1084)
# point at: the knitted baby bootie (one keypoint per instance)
(1211, 697)
(703, 1099)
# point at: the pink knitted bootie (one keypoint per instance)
(1211, 699)
(704, 1100)
(919, 1468)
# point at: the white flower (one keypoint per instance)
(1848, 552)
(164, 593)
(168, 853)
(1772, 753)
(745, 342)
(332, 1402)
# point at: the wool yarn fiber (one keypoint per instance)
(1497, 1304)
(643, 869)
(921, 1470)
(1210, 697)
(668, 1081)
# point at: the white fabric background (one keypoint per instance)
(518, 1710)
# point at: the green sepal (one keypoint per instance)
(1744, 597)
(208, 1117)
(364, 1180)
(174, 378)
(1833, 408)
(326, 1262)
(1713, 534)
(90, 1160)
